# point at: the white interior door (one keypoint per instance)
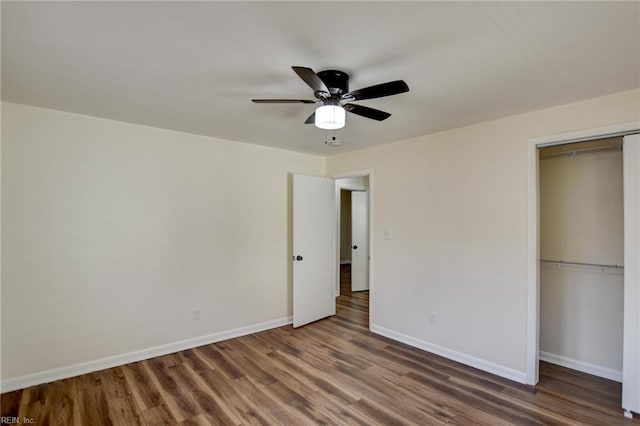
(359, 240)
(631, 346)
(313, 245)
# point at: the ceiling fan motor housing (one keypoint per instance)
(336, 81)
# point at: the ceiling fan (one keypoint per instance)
(331, 88)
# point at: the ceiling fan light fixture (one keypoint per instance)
(330, 117)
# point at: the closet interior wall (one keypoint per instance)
(582, 255)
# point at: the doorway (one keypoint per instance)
(353, 240)
(315, 260)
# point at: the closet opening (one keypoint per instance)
(581, 268)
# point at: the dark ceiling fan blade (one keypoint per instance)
(374, 114)
(311, 119)
(377, 91)
(283, 101)
(312, 79)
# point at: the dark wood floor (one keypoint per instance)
(345, 280)
(333, 371)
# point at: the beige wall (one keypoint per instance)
(581, 208)
(455, 204)
(581, 220)
(581, 318)
(114, 233)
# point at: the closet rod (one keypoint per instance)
(596, 265)
(576, 152)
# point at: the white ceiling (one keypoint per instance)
(194, 66)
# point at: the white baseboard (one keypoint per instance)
(345, 262)
(481, 364)
(585, 367)
(48, 376)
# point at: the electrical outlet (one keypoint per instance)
(432, 318)
(196, 314)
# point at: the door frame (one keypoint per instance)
(533, 229)
(357, 173)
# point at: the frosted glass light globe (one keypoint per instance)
(330, 117)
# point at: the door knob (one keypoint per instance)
(355, 247)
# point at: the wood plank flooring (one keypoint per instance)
(332, 372)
